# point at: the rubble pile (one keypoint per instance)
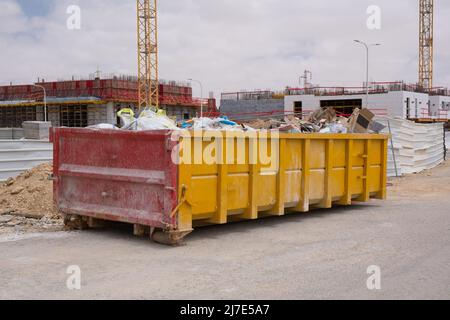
(27, 200)
(290, 124)
(320, 121)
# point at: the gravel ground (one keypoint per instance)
(322, 255)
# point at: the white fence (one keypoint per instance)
(417, 147)
(17, 156)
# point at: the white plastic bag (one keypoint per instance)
(149, 120)
(104, 126)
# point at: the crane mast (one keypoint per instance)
(147, 29)
(426, 44)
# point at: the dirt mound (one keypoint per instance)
(30, 194)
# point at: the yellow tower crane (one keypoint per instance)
(147, 35)
(426, 44)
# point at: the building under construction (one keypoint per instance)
(394, 99)
(86, 102)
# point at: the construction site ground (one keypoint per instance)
(324, 254)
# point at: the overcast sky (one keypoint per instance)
(227, 44)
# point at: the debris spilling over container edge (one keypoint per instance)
(320, 121)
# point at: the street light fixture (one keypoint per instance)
(367, 46)
(201, 95)
(45, 100)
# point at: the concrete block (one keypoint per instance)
(36, 130)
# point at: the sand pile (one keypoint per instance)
(30, 194)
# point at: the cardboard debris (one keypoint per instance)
(265, 124)
(326, 115)
(360, 120)
(323, 121)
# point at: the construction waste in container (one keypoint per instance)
(320, 121)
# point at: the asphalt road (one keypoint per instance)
(321, 255)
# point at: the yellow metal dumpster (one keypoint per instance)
(312, 170)
(176, 181)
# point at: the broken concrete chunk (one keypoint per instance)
(17, 191)
(9, 182)
(6, 218)
(26, 174)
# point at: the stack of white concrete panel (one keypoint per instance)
(417, 147)
(11, 133)
(6, 133)
(17, 156)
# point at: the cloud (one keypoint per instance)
(227, 44)
(11, 19)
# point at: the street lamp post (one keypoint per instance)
(201, 95)
(45, 100)
(367, 46)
